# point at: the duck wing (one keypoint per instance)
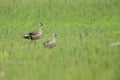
(47, 41)
(33, 33)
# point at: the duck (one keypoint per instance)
(34, 35)
(51, 43)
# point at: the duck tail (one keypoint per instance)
(26, 36)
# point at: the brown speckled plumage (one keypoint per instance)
(34, 35)
(51, 43)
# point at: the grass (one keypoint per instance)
(85, 29)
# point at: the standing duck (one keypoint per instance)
(51, 43)
(34, 35)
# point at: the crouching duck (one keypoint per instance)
(34, 35)
(51, 43)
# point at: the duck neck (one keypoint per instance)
(54, 39)
(40, 29)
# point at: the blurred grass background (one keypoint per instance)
(85, 29)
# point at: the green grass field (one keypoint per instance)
(86, 30)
